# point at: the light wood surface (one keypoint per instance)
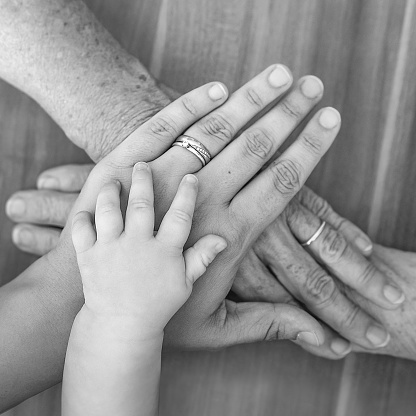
(365, 53)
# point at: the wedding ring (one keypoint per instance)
(195, 147)
(316, 235)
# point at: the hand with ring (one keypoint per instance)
(217, 127)
(230, 202)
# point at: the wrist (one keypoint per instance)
(131, 105)
(127, 330)
(96, 91)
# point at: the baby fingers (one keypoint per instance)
(140, 215)
(176, 225)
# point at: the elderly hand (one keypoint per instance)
(315, 277)
(400, 267)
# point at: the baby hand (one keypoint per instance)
(127, 272)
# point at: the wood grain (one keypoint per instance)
(354, 46)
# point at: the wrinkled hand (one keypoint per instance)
(400, 267)
(291, 274)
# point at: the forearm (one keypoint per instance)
(59, 54)
(110, 368)
(36, 314)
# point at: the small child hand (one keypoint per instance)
(128, 272)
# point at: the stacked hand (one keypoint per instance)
(277, 255)
(148, 277)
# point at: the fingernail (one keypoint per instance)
(329, 118)
(47, 182)
(220, 246)
(216, 92)
(364, 245)
(378, 336)
(308, 338)
(312, 87)
(141, 166)
(393, 295)
(340, 346)
(22, 236)
(15, 206)
(191, 179)
(280, 76)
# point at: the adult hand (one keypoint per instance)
(314, 277)
(400, 267)
(230, 203)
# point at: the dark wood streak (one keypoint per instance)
(352, 45)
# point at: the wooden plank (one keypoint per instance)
(352, 45)
(259, 379)
(383, 385)
(397, 224)
(132, 23)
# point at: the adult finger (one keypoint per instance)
(140, 215)
(323, 210)
(34, 239)
(265, 197)
(151, 140)
(156, 135)
(246, 322)
(66, 178)
(252, 322)
(40, 207)
(83, 233)
(176, 225)
(334, 346)
(315, 288)
(108, 218)
(256, 283)
(241, 160)
(348, 265)
(219, 127)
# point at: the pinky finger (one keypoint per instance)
(201, 255)
(83, 233)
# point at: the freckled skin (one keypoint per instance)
(95, 91)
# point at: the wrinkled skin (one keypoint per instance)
(400, 266)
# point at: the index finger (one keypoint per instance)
(155, 136)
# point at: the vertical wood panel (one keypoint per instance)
(352, 45)
(260, 379)
(397, 225)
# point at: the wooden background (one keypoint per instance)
(364, 51)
